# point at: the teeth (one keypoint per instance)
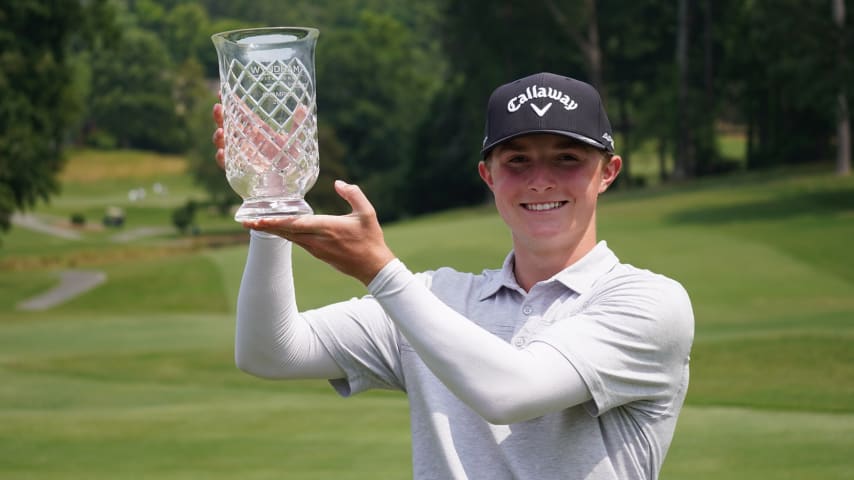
(543, 206)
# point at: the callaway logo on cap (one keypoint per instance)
(547, 103)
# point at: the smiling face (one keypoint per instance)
(546, 188)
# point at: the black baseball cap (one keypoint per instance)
(547, 103)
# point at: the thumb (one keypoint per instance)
(354, 196)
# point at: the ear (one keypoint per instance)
(610, 171)
(485, 173)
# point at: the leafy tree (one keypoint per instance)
(37, 102)
(780, 86)
(201, 156)
(580, 22)
(402, 85)
(184, 216)
(132, 94)
(444, 171)
(637, 60)
(147, 15)
(693, 131)
(843, 115)
(371, 89)
(145, 89)
(185, 32)
(322, 196)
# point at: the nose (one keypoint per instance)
(541, 179)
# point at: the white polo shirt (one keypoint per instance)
(627, 331)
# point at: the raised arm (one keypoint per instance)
(272, 340)
(500, 382)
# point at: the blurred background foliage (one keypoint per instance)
(402, 85)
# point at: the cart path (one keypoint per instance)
(36, 224)
(31, 222)
(71, 284)
(139, 233)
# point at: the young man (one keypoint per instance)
(564, 363)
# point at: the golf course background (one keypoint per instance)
(135, 378)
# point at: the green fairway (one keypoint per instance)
(135, 378)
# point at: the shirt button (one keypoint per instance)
(527, 309)
(519, 342)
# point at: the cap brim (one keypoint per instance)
(574, 136)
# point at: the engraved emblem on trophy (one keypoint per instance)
(267, 83)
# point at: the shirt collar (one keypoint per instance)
(578, 277)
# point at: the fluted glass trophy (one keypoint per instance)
(267, 83)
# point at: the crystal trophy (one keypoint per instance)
(267, 85)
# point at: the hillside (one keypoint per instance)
(134, 377)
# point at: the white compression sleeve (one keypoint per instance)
(272, 340)
(501, 383)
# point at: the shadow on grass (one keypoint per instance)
(780, 207)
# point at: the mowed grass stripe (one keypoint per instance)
(206, 433)
(790, 371)
(736, 281)
(749, 444)
(48, 335)
(172, 283)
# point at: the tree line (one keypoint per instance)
(402, 86)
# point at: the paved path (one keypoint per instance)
(71, 284)
(141, 232)
(32, 222)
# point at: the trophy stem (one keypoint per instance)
(256, 208)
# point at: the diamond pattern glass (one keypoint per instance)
(270, 118)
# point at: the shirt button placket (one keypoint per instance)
(521, 339)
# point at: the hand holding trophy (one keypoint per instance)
(267, 84)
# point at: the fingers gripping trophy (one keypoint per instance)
(267, 84)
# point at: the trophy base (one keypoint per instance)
(254, 209)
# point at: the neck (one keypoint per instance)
(535, 265)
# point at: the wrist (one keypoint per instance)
(262, 234)
(376, 266)
(385, 278)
